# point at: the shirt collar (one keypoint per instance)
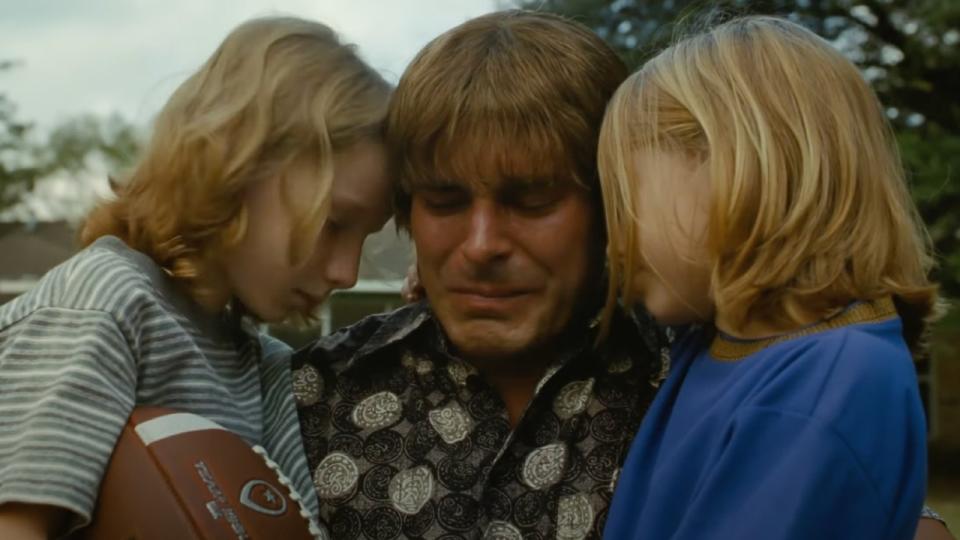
(418, 322)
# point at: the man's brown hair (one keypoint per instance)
(512, 93)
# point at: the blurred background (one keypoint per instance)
(81, 81)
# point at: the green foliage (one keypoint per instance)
(932, 156)
(68, 148)
(71, 143)
(18, 169)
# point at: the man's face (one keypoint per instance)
(505, 263)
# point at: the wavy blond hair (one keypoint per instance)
(808, 210)
(276, 91)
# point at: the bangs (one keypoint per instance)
(483, 145)
(487, 153)
(513, 94)
(490, 128)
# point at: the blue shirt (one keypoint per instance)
(820, 435)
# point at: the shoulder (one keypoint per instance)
(106, 275)
(109, 284)
(272, 349)
(859, 380)
(365, 337)
(868, 371)
(867, 353)
(872, 357)
(849, 396)
(101, 278)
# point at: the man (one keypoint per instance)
(489, 410)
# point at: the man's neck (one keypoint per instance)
(515, 381)
(515, 378)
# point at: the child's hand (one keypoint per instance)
(412, 290)
(931, 529)
(24, 521)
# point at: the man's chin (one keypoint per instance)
(490, 340)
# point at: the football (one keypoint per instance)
(179, 475)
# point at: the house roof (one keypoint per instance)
(31, 249)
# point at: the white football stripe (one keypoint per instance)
(169, 425)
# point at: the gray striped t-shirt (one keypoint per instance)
(106, 331)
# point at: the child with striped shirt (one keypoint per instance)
(263, 176)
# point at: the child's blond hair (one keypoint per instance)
(809, 210)
(276, 91)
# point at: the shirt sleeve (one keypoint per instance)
(67, 386)
(930, 513)
(788, 476)
(282, 436)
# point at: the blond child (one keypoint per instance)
(263, 176)
(752, 186)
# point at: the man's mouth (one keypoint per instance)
(489, 292)
(482, 300)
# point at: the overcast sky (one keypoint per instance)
(127, 56)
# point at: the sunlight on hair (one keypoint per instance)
(810, 209)
(276, 91)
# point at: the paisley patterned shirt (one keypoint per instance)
(405, 440)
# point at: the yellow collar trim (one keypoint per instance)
(881, 309)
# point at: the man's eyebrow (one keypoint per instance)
(526, 183)
(435, 184)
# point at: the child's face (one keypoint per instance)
(258, 268)
(673, 277)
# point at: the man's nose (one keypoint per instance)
(487, 237)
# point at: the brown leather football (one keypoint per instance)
(179, 475)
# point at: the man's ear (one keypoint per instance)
(412, 290)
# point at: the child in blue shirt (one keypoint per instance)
(752, 186)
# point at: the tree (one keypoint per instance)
(909, 50)
(18, 168)
(73, 147)
(72, 143)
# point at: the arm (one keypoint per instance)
(30, 521)
(932, 529)
(785, 476)
(66, 387)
